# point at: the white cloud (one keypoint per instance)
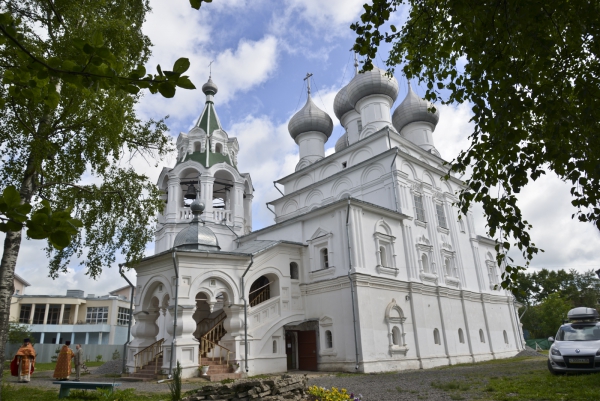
(331, 14)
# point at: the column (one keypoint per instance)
(206, 195)
(73, 337)
(248, 212)
(76, 314)
(237, 204)
(42, 337)
(100, 338)
(46, 313)
(61, 314)
(174, 199)
(87, 338)
(31, 314)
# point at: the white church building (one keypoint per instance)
(367, 268)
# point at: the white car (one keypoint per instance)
(576, 347)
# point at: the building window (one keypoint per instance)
(53, 314)
(359, 123)
(16, 292)
(419, 209)
(328, 339)
(425, 263)
(395, 335)
(218, 148)
(294, 271)
(448, 265)
(461, 337)
(505, 337)
(324, 258)
(383, 256)
(38, 314)
(481, 336)
(123, 316)
(25, 313)
(97, 315)
(441, 215)
(344, 164)
(66, 315)
(196, 146)
(436, 337)
(274, 346)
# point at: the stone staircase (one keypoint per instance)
(147, 372)
(218, 370)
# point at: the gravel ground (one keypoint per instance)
(109, 368)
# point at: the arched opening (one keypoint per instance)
(222, 195)
(481, 336)
(425, 263)
(395, 335)
(294, 271)
(383, 256)
(328, 339)
(505, 337)
(461, 337)
(218, 148)
(196, 146)
(260, 291)
(436, 337)
(324, 258)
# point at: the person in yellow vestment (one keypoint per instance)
(24, 361)
(62, 371)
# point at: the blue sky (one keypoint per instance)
(261, 50)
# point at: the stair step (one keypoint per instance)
(136, 379)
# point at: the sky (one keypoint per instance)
(260, 52)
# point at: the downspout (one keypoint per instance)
(130, 317)
(277, 188)
(176, 268)
(246, 315)
(350, 279)
(271, 210)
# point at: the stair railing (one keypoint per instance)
(261, 296)
(211, 322)
(149, 354)
(207, 346)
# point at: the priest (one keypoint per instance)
(62, 371)
(23, 364)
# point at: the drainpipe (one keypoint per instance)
(246, 315)
(176, 268)
(130, 315)
(277, 188)
(350, 279)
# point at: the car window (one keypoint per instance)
(578, 332)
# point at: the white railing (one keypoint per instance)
(185, 214)
(219, 215)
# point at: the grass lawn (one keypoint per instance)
(22, 392)
(41, 367)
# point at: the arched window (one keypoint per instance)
(218, 148)
(505, 337)
(196, 146)
(395, 335)
(328, 339)
(294, 271)
(383, 256)
(448, 265)
(274, 346)
(260, 291)
(481, 336)
(425, 263)
(461, 337)
(324, 258)
(436, 336)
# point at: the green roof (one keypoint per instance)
(209, 121)
(213, 158)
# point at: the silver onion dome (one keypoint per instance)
(196, 235)
(210, 87)
(374, 82)
(341, 104)
(310, 118)
(414, 109)
(342, 142)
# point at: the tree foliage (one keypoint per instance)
(530, 69)
(17, 332)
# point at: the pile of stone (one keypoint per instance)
(109, 368)
(286, 387)
(528, 351)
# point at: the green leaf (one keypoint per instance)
(196, 4)
(167, 89)
(59, 239)
(185, 83)
(181, 65)
(11, 197)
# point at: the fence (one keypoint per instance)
(542, 343)
(46, 351)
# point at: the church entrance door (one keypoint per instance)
(307, 350)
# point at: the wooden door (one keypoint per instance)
(307, 350)
(290, 350)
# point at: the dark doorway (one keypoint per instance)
(290, 350)
(307, 350)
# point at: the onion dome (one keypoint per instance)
(342, 142)
(310, 118)
(341, 104)
(196, 235)
(374, 82)
(414, 109)
(210, 88)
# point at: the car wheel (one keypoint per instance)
(552, 370)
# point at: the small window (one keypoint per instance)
(344, 164)
(461, 336)
(441, 215)
(16, 292)
(328, 339)
(274, 346)
(481, 336)
(294, 271)
(419, 209)
(425, 263)
(324, 259)
(359, 123)
(197, 147)
(436, 337)
(160, 288)
(218, 148)
(383, 256)
(505, 337)
(448, 265)
(395, 335)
